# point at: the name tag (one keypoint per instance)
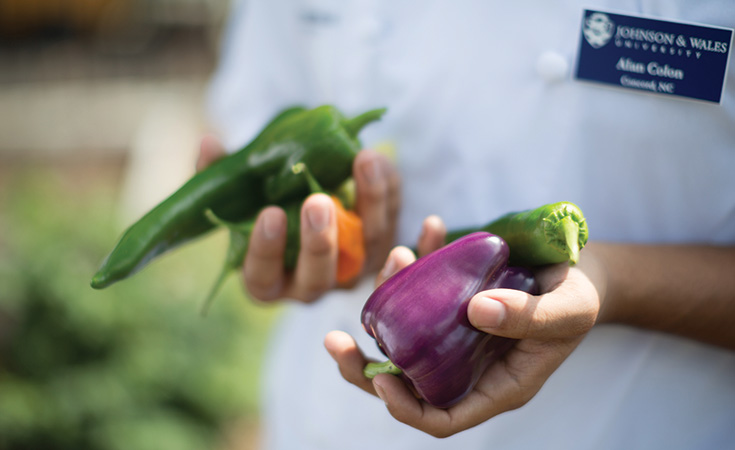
(661, 56)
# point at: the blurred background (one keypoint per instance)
(101, 112)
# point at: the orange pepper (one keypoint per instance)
(350, 243)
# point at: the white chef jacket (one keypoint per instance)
(485, 118)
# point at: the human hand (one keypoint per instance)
(548, 326)
(377, 204)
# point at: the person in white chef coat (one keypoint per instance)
(632, 348)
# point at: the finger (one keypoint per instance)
(377, 202)
(433, 234)
(405, 407)
(316, 267)
(343, 349)
(263, 272)
(507, 384)
(570, 309)
(210, 150)
(512, 381)
(398, 258)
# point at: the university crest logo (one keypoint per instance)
(598, 29)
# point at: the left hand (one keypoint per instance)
(377, 203)
(549, 327)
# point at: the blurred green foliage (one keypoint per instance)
(133, 366)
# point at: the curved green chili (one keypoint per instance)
(237, 186)
(548, 234)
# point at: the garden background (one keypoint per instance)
(101, 112)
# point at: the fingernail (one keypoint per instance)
(373, 171)
(317, 217)
(271, 226)
(488, 313)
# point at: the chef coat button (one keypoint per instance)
(552, 66)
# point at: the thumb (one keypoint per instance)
(561, 313)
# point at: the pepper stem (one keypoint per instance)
(300, 168)
(571, 235)
(354, 125)
(563, 234)
(239, 235)
(224, 274)
(374, 368)
(566, 231)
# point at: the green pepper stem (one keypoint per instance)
(374, 368)
(354, 125)
(570, 228)
(224, 274)
(300, 168)
(239, 235)
(563, 233)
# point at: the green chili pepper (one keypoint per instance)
(240, 231)
(322, 139)
(237, 186)
(549, 234)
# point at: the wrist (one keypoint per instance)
(596, 261)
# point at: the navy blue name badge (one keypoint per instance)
(665, 57)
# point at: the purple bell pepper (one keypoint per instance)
(419, 316)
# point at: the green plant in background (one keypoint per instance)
(133, 367)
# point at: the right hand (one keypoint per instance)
(548, 328)
(377, 203)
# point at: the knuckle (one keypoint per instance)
(310, 286)
(347, 374)
(373, 236)
(260, 254)
(402, 417)
(374, 192)
(585, 321)
(540, 321)
(316, 287)
(317, 246)
(265, 252)
(524, 326)
(577, 321)
(519, 402)
(261, 289)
